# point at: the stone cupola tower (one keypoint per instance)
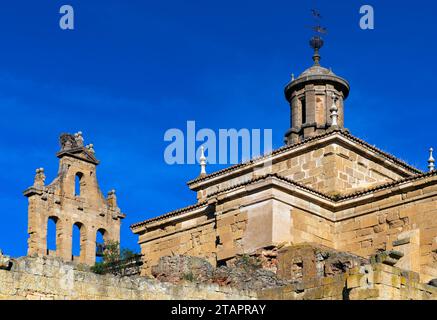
(72, 200)
(311, 96)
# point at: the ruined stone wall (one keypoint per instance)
(304, 272)
(371, 282)
(314, 272)
(49, 278)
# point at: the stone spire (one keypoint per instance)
(311, 96)
(90, 147)
(202, 160)
(40, 178)
(431, 160)
(79, 138)
(112, 199)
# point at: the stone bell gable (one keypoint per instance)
(73, 198)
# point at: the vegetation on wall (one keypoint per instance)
(117, 261)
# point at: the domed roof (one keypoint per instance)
(316, 74)
(316, 70)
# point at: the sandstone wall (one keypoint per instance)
(405, 222)
(333, 168)
(369, 282)
(231, 228)
(269, 212)
(307, 227)
(49, 278)
(195, 237)
(203, 234)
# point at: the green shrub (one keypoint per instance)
(98, 268)
(112, 257)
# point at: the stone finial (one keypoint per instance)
(90, 147)
(40, 178)
(112, 199)
(202, 161)
(292, 77)
(431, 160)
(334, 112)
(316, 43)
(79, 138)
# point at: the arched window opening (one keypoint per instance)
(51, 235)
(78, 184)
(77, 241)
(303, 110)
(100, 244)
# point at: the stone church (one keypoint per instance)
(324, 186)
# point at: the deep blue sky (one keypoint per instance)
(133, 69)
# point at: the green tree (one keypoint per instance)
(112, 256)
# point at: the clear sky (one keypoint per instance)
(133, 69)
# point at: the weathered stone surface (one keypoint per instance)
(245, 273)
(244, 279)
(51, 278)
(307, 262)
(387, 257)
(48, 278)
(176, 268)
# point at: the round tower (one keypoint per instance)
(311, 96)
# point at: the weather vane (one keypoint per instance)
(317, 28)
(316, 41)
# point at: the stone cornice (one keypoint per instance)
(335, 204)
(170, 215)
(80, 153)
(317, 79)
(33, 191)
